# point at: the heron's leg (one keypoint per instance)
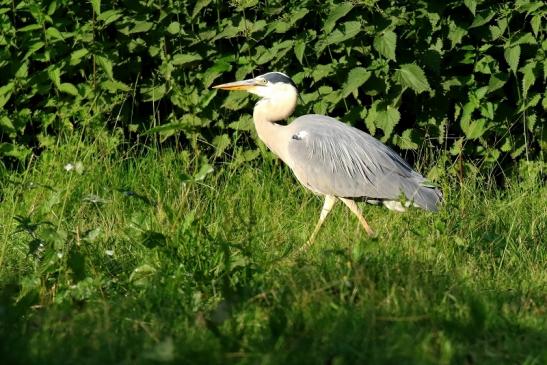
(355, 209)
(327, 206)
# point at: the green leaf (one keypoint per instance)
(215, 71)
(153, 93)
(497, 81)
(53, 33)
(174, 28)
(68, 88)
(299, 47)
(204, 170)
(76, 55)
(385, 43)
(338, 12)
(473, 129)
(13, 150)
(482, 18)
(386, 119)
(526, 38)
(406, 140)
(220, 143)
(113, 86)
(181, 59)
(349, 30)
(22, 72)
(5, 93)
(412, 76)
(512, 56)
(96, 4)
(356, 77)
(54, 74)
(471, 5)
(529, 77)
(455, 34)
(140, 27)
(106, 65)
(109, 16)
(536, 24)
(32, 49)
(29, 28)
(200, 4)
(236, 101)
(6, 125)
(245, 123)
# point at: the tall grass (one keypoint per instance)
(147, 256)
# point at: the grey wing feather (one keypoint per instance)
(330, 157)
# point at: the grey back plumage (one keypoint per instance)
(332, 158)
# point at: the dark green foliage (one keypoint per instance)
(466, 76)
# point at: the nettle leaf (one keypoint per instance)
(139, 26)
(455, 34)
(497, 81)
(385, 43)
(299, 47)
(153, 93)
(536, 24)
(287, 22)
(473, 129)
(386, 119)
(245, 123)
(482, 18)
(22, 72)
(106, 65)
(215, 71)
(356, 77)
(174, 28)
(526, 38)
(406, 140)
(337, 12)
(412, 76)
(348, 31)
(53, 33)
(180, 59)
(220, 143)
(54, 74)
(68, 88)
(512, 56)
(96, 4)
(77, 55)
(236, 100)
(471, 5)
(200, 4)
(529, 77)
(109, 16)
(113, 86)
(5, 93)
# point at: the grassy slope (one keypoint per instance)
(202, 272)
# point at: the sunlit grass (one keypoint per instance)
(149, 257)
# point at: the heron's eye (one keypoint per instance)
(262, 81)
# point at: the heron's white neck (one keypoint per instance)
(268, 111)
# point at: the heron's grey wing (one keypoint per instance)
(330, 157)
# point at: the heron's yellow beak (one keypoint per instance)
(238, 85)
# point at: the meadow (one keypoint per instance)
(128, 254)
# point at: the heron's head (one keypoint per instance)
(272, 85)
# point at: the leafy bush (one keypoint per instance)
(464, 76)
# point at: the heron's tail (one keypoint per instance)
(427, 197)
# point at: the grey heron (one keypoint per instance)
(331, 158)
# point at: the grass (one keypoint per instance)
(149, 257)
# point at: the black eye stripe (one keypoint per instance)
(275, 77)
